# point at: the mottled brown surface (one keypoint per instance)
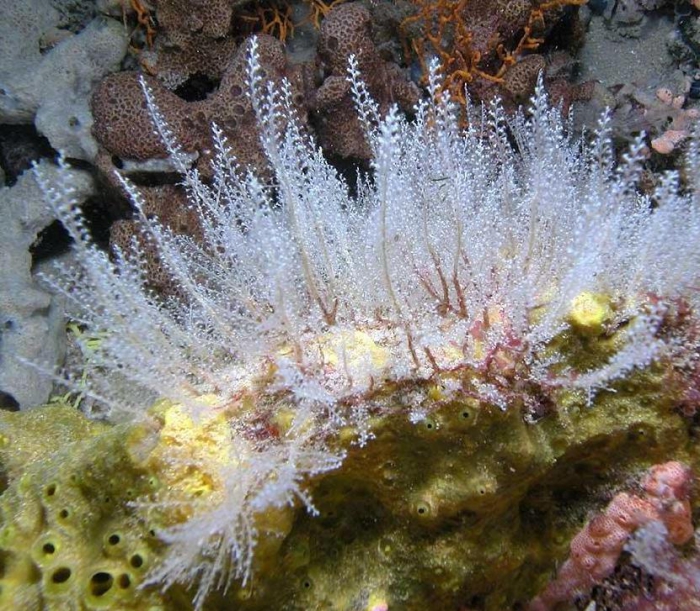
(347, 31)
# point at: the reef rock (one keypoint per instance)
(31, 319)
(47, 74)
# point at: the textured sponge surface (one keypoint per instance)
(68, 537)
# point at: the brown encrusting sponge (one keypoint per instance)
(125, 129)
(345, 32)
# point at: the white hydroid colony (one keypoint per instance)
(461, 249)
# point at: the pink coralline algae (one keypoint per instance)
(595, 550)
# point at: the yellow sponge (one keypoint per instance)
(589, 314)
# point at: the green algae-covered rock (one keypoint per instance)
(469, 506)
(70, 538)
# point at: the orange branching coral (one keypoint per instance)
(319, 9)
(276, 19)
(477, 41)
(144, 19)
